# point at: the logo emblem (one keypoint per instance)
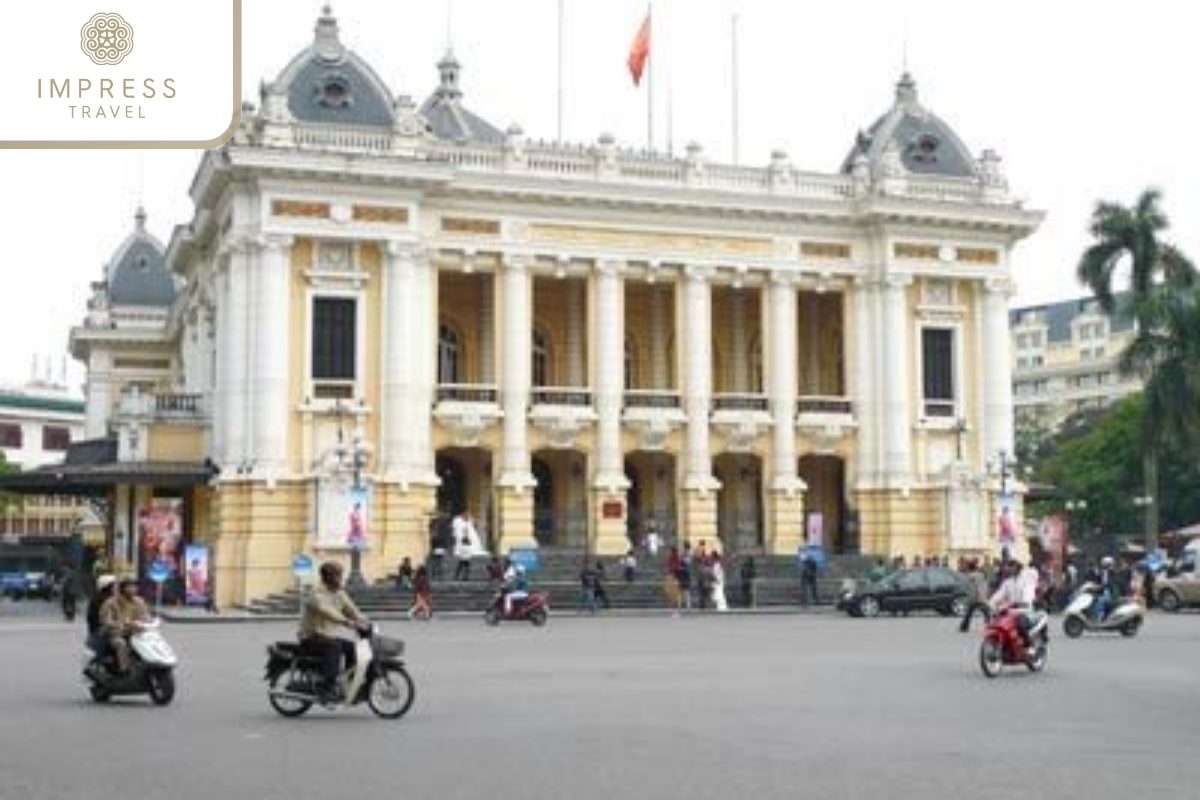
(106, 38)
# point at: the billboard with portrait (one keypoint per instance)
(160, 533)
(195, 575)
(343, 516)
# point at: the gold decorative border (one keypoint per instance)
(915, 251)
(978, 255)
(471, 225)
(831, 250)
(396, 215)
(546, 232)
(157, 144)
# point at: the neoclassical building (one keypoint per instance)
(404, 309)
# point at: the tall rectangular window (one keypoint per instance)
(937, 365)
(334, 339)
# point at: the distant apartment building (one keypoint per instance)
(37, 423)
(1064, 360)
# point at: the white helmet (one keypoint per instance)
(105, 581)
(1107, 561)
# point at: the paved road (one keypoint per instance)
(814, 706)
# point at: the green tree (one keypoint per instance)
(1131, 236)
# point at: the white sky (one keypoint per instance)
(1082, 100)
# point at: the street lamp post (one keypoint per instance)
(354, 458)
(1145, 502)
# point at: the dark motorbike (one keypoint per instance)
(533, 608)
(1003, 643)
(377, 677)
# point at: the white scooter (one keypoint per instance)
(151, 668)
(1127, 617)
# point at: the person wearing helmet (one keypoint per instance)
(1106, 592)
(96, 641)
(327, 609)
(1018, 591)
(515, 586)
(121, 616)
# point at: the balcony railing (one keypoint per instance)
(938, 409)
(179, 404)
(561, 396)
(739, 402)
(651, 398)
(824, 404)
(467, 393)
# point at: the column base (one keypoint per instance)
(515, 518)
(698, 517)
(609, 514)
(785, 523)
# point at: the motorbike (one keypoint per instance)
(534, 608)
(377, 677)
(1127, 617)
(1003, 643)
(151, 668)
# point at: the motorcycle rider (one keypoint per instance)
(96, 641)
(121, 616)
(328, 607)
(1106, 593)
(1018, 591)
(515, 586)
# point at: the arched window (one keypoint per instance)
(541, 358)
(449, 354)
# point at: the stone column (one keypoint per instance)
(997, 428)
(99, 395)
(271, 355)
(694, 331)
(863, 390)
(609, 483)
(785, 527)
(897, 419)
(232, 387)
(400, 354)
(660, 373)
(576, 360)
(515, 486)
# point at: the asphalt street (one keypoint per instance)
(817, 706)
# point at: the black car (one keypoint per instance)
(925, 589)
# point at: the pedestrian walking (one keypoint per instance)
(978, 600)
(808, 580)
(717, 571)
(422, 607)
(748, 573)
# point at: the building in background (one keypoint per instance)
(383, 314)
(1064, 360)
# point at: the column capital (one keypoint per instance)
(273, 241)
(1000, 286)
(403, 247)
(698, 274)
(610, 267)
(897, 280)
(782, 279)
(516, 262)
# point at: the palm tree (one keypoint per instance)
(1156, 268)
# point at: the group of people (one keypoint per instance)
(696, 570)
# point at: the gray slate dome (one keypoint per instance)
(328, 83)
(447, 117)
(137, 274)
(926, 144)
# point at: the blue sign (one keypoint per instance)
(302, 565)
(159, 571)
(525, 557)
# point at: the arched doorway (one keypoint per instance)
(466, 485)
(650, 498)
(740, 513)
(825, 476)
(543, 503)
(560, 510)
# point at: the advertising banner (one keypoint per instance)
(160, 533)
(196, 583)
(344, 517)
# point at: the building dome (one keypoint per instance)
(924, 143)
(447, 117)
(137, 275)
(328, 83)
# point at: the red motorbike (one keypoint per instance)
(533, 608)
(1003, 643)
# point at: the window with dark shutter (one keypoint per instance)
(937, 365)
(334, 343)
(55, 438)
(11, 437)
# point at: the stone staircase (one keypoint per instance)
(777, 585)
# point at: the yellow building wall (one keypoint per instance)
(175, 443)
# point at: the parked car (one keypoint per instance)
(923, 589)
(1181, 586)
(19, 585)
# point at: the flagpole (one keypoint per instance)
(560, 70)
(653, 67)
(733, 48)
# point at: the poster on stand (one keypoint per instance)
(196, 583)
(344, 516)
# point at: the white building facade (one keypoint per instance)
(407, 307)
